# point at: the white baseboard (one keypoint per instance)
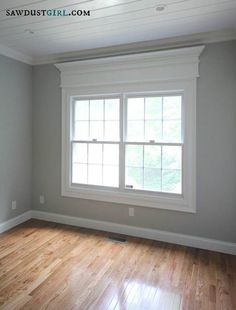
(188, 240)
(160, 235)
(15, 221)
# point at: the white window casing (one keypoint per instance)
(159, 73)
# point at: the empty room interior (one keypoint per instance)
(118, 154)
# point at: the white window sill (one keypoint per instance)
(167, 202)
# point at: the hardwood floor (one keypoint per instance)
(51, 266)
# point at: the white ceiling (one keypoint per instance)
(112, 22)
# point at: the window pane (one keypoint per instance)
(81, 110)
(112, 130)
(111, 154)
(134, 155)
(171, 181)
(152, 179)
(96, 109)
(135, 130)
(110, 176)
(153, 130)
(172, 131)
(79, 173)
(135, 110)
(172, 107)
(95, 154)
(81, 130)
(95, 174)
(171, 157)
(152, 156)
(112, 109)
(134, 177)
(80, 153)
(153, 108)
(96, 130)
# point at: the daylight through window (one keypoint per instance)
(129, 143)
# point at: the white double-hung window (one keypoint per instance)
(131, 143)
(128, 129)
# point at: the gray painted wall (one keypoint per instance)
(216, 154)
(15, 137)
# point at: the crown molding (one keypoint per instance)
(11, 53)
(140, 47)
(124, 49)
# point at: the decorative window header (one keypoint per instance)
(168, 65)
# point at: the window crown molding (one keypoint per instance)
(173, 64)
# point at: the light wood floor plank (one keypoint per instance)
(51, 266)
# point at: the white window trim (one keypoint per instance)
(156, 72)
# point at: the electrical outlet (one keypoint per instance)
(131, 211)
(13, 205)
(41, 199)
